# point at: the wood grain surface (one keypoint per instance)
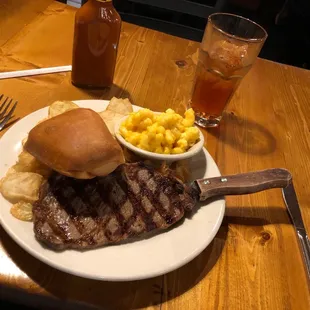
(254, 262)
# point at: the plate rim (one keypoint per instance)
(79, 273)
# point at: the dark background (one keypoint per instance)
(286, 21)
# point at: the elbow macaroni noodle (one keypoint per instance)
(165, 133)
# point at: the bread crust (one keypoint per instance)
(76, 143)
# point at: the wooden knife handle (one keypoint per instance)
(244, 183)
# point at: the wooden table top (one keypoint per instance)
(254, 261)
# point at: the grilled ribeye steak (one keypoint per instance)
(132, 200)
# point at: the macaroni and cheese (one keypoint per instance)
(164, 133)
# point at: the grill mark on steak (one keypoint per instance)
(152, 194)
(163, 218)
(158, 186)
(164, 186)
(75, 205)
(136, 201)
(132, 200)
(106, 211)
(115, 197)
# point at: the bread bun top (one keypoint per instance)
(76, 143)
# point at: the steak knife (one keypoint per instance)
(253, 182)
(292, 205)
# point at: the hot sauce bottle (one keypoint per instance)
(96, 36)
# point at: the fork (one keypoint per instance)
(6, 110)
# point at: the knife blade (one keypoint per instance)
(290, 199)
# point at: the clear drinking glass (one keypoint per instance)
(228, 50)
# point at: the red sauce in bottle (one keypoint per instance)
(96, 37)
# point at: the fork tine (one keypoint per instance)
(8, 116)
(2, 114)
(1, 96)
(2, 105)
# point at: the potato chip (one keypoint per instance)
(21, 186)
(22, 211)
(110, 118)
(182, 170)
(59, 107)
(117, 109)
(120, 106)
(10, 171)
(27, 163)
(130, 156)
(24, 141)
(42, 120)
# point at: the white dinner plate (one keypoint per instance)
(144, 258)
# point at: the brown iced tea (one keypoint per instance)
(213, 87)
(229, 47)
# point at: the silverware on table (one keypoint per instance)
(7, 108)
(252, 182)
(291, 202)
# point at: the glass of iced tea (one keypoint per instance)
(228, 50)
